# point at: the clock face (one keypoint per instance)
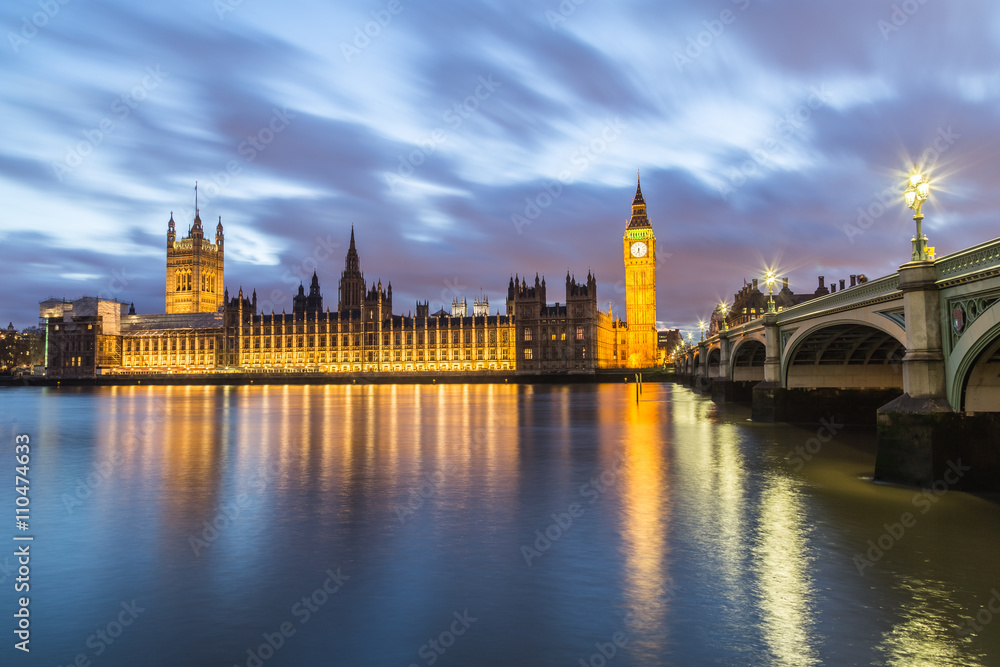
(638, 249)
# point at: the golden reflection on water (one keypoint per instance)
(357, 451)
(646, 516)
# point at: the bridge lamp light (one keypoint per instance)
(690, 338)
(917, 191)
(723, 309)
(770, 279)
(701, 325)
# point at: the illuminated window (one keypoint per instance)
(579, 333)
(527, 336)
(527, 353)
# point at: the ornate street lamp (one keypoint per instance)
(917, 191)
(723, 309)
(690, 339)
(769, 278)
(701, 325)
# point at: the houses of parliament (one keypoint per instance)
(207, 330)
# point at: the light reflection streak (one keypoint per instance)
(646, 516)
(924, 637)
(785, 586)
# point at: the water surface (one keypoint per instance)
(478, 525)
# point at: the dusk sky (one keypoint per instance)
(468, 141)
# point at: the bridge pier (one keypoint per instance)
(702, 382)
(768, 395)
(916, 431)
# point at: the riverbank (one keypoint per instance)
(219, 379)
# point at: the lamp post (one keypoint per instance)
(917, 191)
(690, 339)
(723, 309)
(701, 325)
(769, 278)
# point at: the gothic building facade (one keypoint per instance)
(206, 331)
(639, 246)
(195, 275)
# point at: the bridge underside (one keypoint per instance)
(982, 390)
(748, 364)
(847, 356)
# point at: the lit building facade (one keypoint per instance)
(204, 331)
(195, 269)
(639, 245)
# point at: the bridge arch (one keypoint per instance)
(844, 354)
(747, 359)
(974, 365)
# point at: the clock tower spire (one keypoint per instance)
(639, 244)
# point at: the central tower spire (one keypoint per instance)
(639, 219)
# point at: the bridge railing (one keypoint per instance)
(872, 289)
(969, 261)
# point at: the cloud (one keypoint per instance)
(786, 121)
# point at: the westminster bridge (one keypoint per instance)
(917, 352)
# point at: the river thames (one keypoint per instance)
(475, 525)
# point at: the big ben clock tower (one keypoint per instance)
(640, 286)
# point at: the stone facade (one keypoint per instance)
(195, 269)
(206, 331)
